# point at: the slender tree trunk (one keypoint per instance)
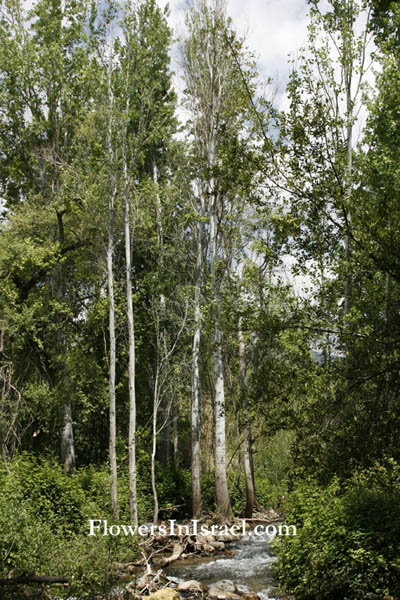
(196, 412)
(196, 379)
(221, 483)
(166, 431)
(67, 439)
(250, 491)
(111, 309)
(206, 78)
(67, 444)
(239, 454)
(154, 450)
(251, 457)
(348, 292)
(175, 430)
(131, 334)
(112, 359)
(165, 437)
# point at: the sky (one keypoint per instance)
(273, 29)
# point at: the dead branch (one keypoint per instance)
(43, 579)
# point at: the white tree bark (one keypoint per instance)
(221, 483)
(67, 439)
(111, 302)
(166, 431)
(208, 86)
(156, 403)
(67, 434)
(131, 331)
(196, 379)
(248, 473)
(111, 374)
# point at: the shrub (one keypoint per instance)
(274, 464)
(347, 542)
(53, 497)
(26, 543)
(208, 491)
(43, 527)
(174, 490)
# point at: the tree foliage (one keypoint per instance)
(196, 226)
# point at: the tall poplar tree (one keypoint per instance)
(215, 98)
(323, 189)
(143, 108)
(44, 96)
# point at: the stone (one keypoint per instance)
(164, 594)
(225, 585)
(220, 595)
(250, 596)
(226, 538)
(205, 539)
(190, 586)
(223, 590)
(218, 545)
(242, 589)
(272, 515)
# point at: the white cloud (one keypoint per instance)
(273, 30)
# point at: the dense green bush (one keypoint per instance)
(208, 491)
(273, 468)
(44, 526)
(44, 518)
(348, 538)
(55, 499)
(174, 492)
(26, 542)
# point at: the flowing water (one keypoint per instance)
(250, 567)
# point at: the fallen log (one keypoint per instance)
(261, 520)
(47, 579)
(176, 552)
(170, 508)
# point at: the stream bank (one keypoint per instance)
(249, 564)
(224, 567)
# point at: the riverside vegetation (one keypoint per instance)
(155, 363)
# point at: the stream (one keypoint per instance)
(250, 567)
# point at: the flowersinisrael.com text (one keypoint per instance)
(101, 527)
